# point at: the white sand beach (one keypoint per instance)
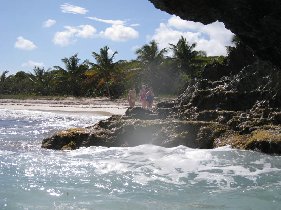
(96, 106)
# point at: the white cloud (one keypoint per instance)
(67, 37)
(112, 22)
(63, 38)
(49, 23)
(218, 32)
(177, 23)
(24, 44)
(211, 38)
(135, 25)
(69, 8)
(32, 64)
(117, 31)
(120, 33)
(85, 31)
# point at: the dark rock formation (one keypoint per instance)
(264, 140)
(238, 58)
(255, 22)
(128, 130)
(199, 129)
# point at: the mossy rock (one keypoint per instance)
(71, 146)
(71, 132)
(266, 141)
(67, 140)
(263, 140)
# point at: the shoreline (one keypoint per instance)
(96, 106)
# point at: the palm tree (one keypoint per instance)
(20, 83)
(3, 76)
(105, 66)
(3, 79)
(150, 54)
(184, 55)
(41, 80)
(151, 57)
(73, 74)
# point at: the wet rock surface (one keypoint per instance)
(256, 129)
(129, 131)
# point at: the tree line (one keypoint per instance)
(107, 77)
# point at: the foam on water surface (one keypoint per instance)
(143, 177)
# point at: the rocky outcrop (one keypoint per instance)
(238, 109)
(138, 127)
(255, 22)
(203, 129)
(265, 140)
(255, 129)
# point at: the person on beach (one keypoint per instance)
(143, 96)
(149, 96)
(132, 95)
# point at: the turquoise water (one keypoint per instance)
(143, 177)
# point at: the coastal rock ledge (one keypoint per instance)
(139, 126)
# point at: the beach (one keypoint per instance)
(95, 106)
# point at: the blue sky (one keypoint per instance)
(42, 32)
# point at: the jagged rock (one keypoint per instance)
(206, 129)
(133, 132)
(237, 59)
(266, 140)
(69, 139)
(275, 118)
(140, 113)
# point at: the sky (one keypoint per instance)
(42, 32)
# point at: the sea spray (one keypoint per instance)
(143, 177)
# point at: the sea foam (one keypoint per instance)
(142, 177)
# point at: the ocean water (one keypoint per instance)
(143, 177)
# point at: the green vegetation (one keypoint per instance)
(167, 75)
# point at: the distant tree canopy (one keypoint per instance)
(107, 77)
